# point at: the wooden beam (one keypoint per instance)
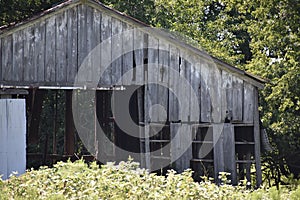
(13, 91)
(218, 151)
(229, 151)
(257, 139)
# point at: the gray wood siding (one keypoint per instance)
(50, 52)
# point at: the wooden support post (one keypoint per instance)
(229, 152)
(69, 126)
(218, 151)
(54, 149)
(248, 167)
(181, 147)
(257, 140)
(241, 167)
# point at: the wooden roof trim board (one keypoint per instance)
(6, 30)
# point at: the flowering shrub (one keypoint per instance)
(78, 180)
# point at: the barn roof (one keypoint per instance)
(8, 29)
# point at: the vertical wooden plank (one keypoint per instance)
(30, 71)
(215, 86)
(96, 39)
(127, 52)
(163, 68)
(139, 56)
(50, 55)
(140, 101)
(116, 49)
(181, 148)
(147, 147)
(185, 92)
(195, 104)
(72, 29)
(39, 47)
(237, 99)
(163, 61)
(218, 150)
(82, 38)
(248, 103)
(229, 152)
(106, 52)
(248, 167)
(257, 139)
(89, 42)
(16, 136)
(174, 85)
(205, 95)
(152, 60)
(93, 39)
(152, 87)
(61, 47)
(175, 143)
(17, 55)
(7, 58)
(146, 129)
(227, 105)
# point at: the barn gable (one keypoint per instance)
(61, 38)
(48, 51)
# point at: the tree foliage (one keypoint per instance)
(12, 11)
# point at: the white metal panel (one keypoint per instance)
(13, 153)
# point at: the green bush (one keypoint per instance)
(78, 180)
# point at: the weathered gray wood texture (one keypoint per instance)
(50, 52)
(12, 137)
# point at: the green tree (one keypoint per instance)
(12, 11)
(142, 10)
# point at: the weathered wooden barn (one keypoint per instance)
(208, 111)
